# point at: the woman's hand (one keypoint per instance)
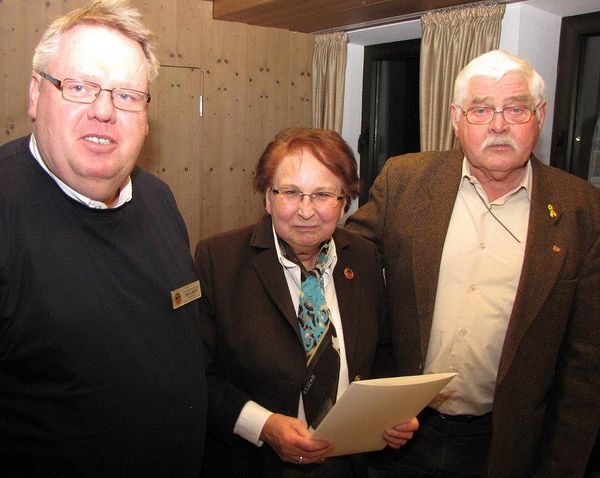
(398, 435)
(291, 440)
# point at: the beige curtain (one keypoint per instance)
(328, 74)
(451, 39)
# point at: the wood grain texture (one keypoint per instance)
(254, 82)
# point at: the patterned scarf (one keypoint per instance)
(319, 339)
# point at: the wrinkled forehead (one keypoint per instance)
(510, 87)
(97, 52)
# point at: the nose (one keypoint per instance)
(102, 108)
(306, 208)
(498, 124)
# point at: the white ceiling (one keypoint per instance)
(412, 28)
(566, 8)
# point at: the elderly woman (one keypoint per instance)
(292, 311)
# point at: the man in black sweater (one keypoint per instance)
(101, 369)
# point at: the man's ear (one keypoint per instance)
(455, 117)
(34, 94)
(541, 114)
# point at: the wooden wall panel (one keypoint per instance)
(300, 51)
(178, 26)
(20, 29)
(173, 149)
(224, 53)
(254, 80)
(267, 100)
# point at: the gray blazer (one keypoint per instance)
(545, 415)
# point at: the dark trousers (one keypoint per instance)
(337, 467)
(443, 447)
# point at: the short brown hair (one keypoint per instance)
(327, 147)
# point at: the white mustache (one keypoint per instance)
(498, 141)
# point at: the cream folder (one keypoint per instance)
(368, 407)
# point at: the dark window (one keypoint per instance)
(390, 106)
(576, 128)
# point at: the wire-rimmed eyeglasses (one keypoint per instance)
(512, 114)
(80, 91)
(319, 199)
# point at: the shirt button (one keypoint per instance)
(472, 287)
(482, 245)
(463, 331)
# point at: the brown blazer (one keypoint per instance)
(252, 342)
(546, 403)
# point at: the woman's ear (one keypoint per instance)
(267, 202)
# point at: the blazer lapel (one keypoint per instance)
(346, 293)
(270, 272)
(545, 253)
(431, 224)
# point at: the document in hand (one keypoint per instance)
(368, 407)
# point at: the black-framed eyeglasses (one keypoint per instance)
(512, 114)
(319, 199)
(80, 91)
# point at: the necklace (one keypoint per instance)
(493, 215)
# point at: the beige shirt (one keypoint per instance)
(479, 274)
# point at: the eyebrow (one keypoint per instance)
(485, 99)
(318, 189)
(98, 81)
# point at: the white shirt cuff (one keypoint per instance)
(251, 421)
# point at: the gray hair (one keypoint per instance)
(115, 14)
(495, 64)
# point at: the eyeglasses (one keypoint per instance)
(80, 91)
(319, 199)
(484, 114)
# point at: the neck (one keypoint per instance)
(308, 259)
(112, 200)
(495, 185)
(305, 257)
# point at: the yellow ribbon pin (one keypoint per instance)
(552, 211)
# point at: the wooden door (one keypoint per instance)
(173, 148)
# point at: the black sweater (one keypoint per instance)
(99, 376)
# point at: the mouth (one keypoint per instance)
(499, 146)
(306, 228)
(99, 140)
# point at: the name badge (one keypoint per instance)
(186, 294)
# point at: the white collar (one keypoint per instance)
(125, 194)
(287, 264)
(525, 183)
